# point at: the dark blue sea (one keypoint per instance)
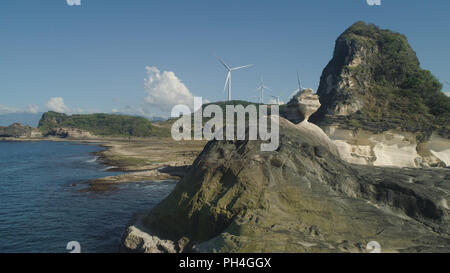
(43, 205)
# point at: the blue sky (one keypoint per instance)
(94, 56)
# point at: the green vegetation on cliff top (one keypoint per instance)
(398, 93)
(116, 125)
(102, 125)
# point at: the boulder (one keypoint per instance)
(302, 106)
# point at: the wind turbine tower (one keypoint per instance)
(229, 70)
(277, 99)
(261, 89)
(300, 87)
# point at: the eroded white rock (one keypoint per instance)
(302, 105)
(440, 147)
(139, 239)
(390, 148)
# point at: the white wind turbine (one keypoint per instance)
(261, 89)
(300, 87)
(229, 69)
(277, 98)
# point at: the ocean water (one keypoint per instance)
(43, 205)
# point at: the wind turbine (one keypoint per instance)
(277, 98)
(300, 87)
(261, 89)
(229, 69)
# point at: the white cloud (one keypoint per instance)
(57, 104)
(73, 2)
(33, 108)
(6, 109)
(447, 93)
(164, 90)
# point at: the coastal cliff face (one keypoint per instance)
(379, 106)
(300, 198)
(18, 130)
(390, 148)
(70, 133)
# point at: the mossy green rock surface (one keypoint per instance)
(301, 198)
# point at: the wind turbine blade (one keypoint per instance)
(226, 82)
(240, 67)
(223, 63)
(298, 79)
(294, 93)
(266, 87)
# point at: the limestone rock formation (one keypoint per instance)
(137, 239)
(393, 148)
(301, 198)
(70, 133)
(374, 81)
(302, 106)
(377, 104)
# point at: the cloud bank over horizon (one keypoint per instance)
(32, 108)
(6, 109)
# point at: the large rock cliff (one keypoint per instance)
(379, 105)
(299, 198)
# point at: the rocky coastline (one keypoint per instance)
(352, 167)
(141, 159)
(301, 198)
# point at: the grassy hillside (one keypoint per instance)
(102, 125)
(222, 105)
(116, 125)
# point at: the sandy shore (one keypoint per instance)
(143, 159)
